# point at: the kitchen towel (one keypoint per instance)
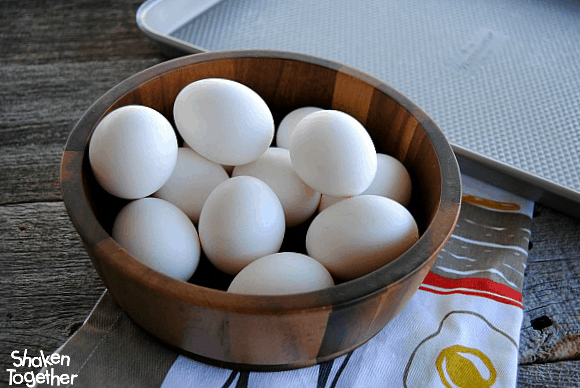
(460, 329)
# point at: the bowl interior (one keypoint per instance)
(286, 82)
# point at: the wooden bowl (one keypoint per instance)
(267, 332)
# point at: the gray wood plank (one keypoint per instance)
(41, 103)
(55, 61)
(551, 326)
(556, 374)
(30, 173)
(48, 285)
(40, 106)
(79, 31)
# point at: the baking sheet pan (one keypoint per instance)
(501, 78)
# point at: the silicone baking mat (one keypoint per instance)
(500, 77)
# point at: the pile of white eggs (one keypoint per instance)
(229, 193)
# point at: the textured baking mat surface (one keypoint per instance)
(500, 77)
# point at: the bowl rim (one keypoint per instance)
(95, 237)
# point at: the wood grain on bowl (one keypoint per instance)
(263, 332)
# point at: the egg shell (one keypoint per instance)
(333, 153)
(288, 123)
(361, 234)
(223, 120)
(392, 180)
(274, 168)
(281, 274)
(228, 168)
(193, 179)
(133, 151)
(241, 221)
(159, 235)
(328, 200)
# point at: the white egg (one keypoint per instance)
(193, 179)
(288, 124)
(241, 221)
(361, 234)
(160, 236)
(223, 120)
(392, 180)
(133, 151)
(274, 168)
(228, 169)
(281, 274)
(333, 153)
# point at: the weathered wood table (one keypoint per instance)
(56, 59)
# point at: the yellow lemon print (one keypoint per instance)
(457, 368)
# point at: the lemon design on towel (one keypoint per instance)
(463, 367)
